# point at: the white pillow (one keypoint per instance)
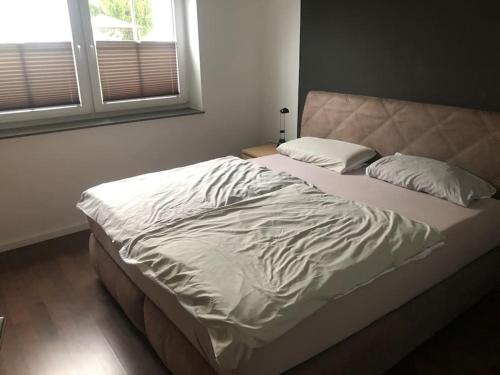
(430, 176)
(335, 155)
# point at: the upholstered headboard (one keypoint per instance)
(464, 137)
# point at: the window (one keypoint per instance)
(37, 61)
(77, 57)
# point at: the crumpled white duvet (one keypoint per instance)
(248, 252)
(129, 207)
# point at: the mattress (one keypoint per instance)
(470, 232)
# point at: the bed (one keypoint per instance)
(350, 334)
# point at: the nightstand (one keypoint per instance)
(258, 151)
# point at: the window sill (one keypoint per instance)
(59, 125)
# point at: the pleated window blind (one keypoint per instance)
(134, 70)
(37, 75)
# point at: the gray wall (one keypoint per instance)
(443, 52)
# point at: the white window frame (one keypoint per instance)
(140, 103)
(87, 73)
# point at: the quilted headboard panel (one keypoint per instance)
(464, 137)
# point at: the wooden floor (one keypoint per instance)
(62, 321)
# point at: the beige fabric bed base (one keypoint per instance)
(370, 351)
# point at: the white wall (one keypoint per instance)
(41, 177)
(281, 67)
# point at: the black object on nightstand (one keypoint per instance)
(283, 113)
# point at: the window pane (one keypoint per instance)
(37, 67)
(30, 21)
(132, 20)
(136, 48)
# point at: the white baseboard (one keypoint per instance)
(11, 245)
